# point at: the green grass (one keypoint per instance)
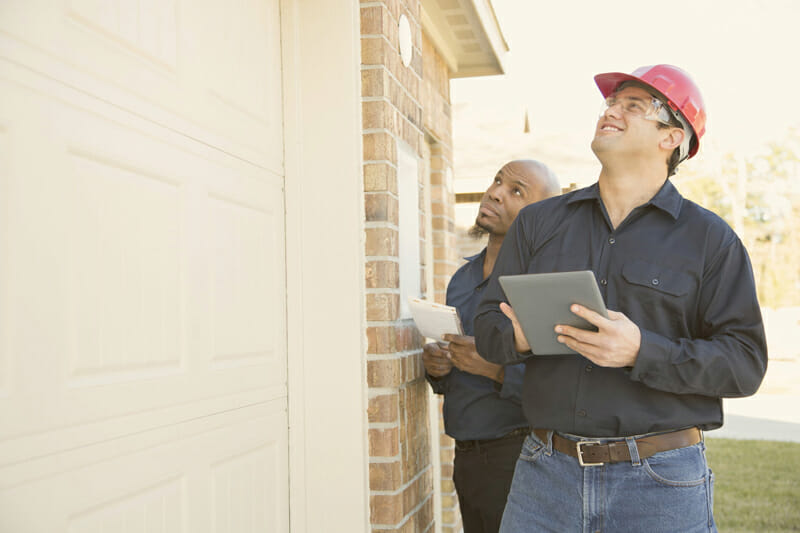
(756, 485)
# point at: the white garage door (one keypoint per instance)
(142, 267)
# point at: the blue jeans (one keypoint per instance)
(670, 492)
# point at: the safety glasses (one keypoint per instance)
(646, 108)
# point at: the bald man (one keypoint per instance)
(482, 406)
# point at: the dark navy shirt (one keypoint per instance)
(476, 407)
(678, 271)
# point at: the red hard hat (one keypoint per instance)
(674, 84)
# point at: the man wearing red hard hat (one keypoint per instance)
(617, 443)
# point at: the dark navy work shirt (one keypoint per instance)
(476, 407)
(678, 271)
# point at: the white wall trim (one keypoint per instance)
(326, 335)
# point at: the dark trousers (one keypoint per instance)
(482, 474)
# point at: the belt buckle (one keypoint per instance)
(578, 445)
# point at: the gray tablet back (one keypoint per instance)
(542, 300)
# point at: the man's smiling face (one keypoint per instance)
(623, 128)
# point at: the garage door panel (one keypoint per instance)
(124, 272)
(146, 27)
(170, 278)
(142, 267)
(199, 67)
(246, 323)
(208, 475)
(154, 509)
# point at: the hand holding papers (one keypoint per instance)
(435, 320)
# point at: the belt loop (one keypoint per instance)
(633, 449)
(548, 445)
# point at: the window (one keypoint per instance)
(409, 242)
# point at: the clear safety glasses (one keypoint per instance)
(648, 109)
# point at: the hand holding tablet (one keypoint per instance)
(541, 301)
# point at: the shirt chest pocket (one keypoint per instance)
(659, 278)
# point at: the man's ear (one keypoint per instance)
(673, 139)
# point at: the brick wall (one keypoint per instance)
(409, 104)
(400, 472)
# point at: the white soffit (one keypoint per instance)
(467, 35)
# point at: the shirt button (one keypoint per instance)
(589, 368)
(582, 412)
(611, 240)
(603, 281)
(655, 281)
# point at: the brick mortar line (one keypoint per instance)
(378, 66)
(402, 487)
(405, 518)
(376, 193)
(392, 355)
(375, 392)
(383, 4)
(385, 38)
(383, 323)
(391, 75)
(384, 425)
(382, 460)
(367, 131)
(381, 224)
(380, 162)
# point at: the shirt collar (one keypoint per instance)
(476, 267)
(474, 257)
(668, 199)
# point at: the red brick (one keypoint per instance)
(384, 476)
(381, 207)
(383, 442)
(373, 50)
(379, 146)
(372, 19)
(386, 509)
(374, 82)
(382, 275)
(383, 408)
(383, 306)
(414, 428)
(384, 373)
(380, 177)
(381, 242)
(407, 338)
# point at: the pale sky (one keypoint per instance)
(742, 53)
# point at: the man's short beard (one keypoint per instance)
(477, 231)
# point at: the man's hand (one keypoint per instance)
(466, 358)
(520, 342)
(435, 359)
(615, 344)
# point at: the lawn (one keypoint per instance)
(757, 485)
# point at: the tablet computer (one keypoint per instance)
(543, 300)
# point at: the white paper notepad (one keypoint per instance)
(435, 320)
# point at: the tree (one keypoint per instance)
(759, 196)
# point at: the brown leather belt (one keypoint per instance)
(597, 452)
